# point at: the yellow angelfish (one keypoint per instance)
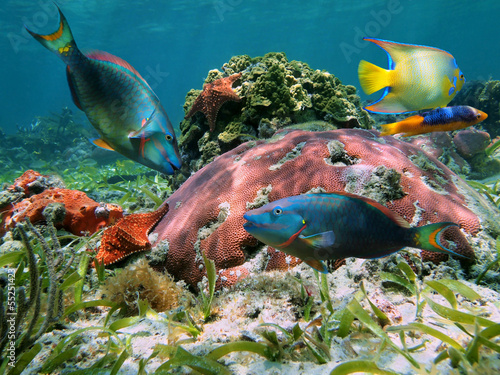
(418, 77)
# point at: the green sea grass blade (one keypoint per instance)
(158, 201)
(278, 327)
(360, 367)
(357, 310)
(482, 338)
(297, 332)
(444, 291)
(82, 305)
(111, 312)
(457, 316)
(119, 362)
(410, 275)
(212, 278)
(14, 257)
(241, 346)
(25, 359)
(74, 335)
(83, 266)
(479, 186)
(428, 330)
(345, 323)
(204, 365)
(384, 320)
(486, 269)
(461, 288)
(54, 362)
(490, 150)
(319, 357)
(70, 280)
(124, 323)
(386, 276)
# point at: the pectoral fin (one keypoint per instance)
(147, 128)
(102, 144)
(317, 265)
(320, 240)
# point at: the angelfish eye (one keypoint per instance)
(461, 76)
(277, 211)
(168, 137)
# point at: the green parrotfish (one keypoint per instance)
(118, 102)
(328, 226)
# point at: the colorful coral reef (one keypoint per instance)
(484, 95)
(81, 214)
(207, 211)
(276, 93)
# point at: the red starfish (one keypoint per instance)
(129, 235)
(213, 96)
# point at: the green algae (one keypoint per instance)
(276, 93)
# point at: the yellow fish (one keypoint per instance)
(418, 77)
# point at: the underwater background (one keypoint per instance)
(149, 270)
(174, 43)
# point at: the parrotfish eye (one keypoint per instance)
(478, 115)
(168, 137)
(278, 211)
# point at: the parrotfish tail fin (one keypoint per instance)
(372, 77)
(427, 238)
(60, 42)
(410, 126)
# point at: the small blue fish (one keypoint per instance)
(117, 101)
(318, 227)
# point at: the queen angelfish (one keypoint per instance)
(319, 227)
(418, 77)
(117, 101)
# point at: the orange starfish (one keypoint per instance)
(213, 96)
(129, 235)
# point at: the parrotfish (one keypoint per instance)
(437, 120)
(118, 102)
(328, 226)
(418, 77)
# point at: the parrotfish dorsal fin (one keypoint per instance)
(72, 88)
(102, 144)
(390, 214)
(317, 265)
(105, 56)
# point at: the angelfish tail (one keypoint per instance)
(60, 42)
(427, 238)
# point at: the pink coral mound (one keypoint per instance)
(206, 212)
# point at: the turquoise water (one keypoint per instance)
(174, 44)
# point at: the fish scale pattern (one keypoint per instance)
(243, 178)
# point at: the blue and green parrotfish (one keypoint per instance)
(327, 226)
(118, 102)
(437, 120)
(418, 77)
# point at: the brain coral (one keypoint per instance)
(276, 92)
(206, 212)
